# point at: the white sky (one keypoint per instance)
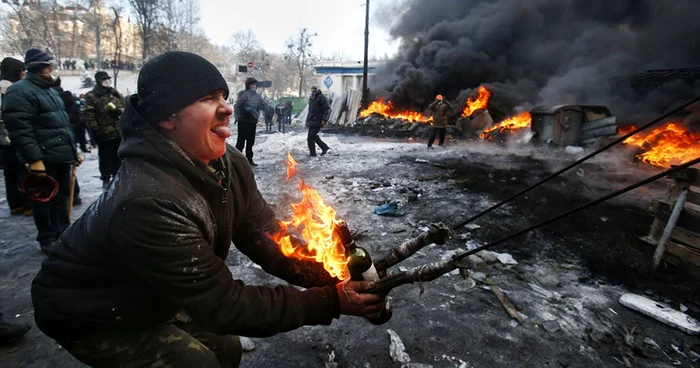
(339, 24)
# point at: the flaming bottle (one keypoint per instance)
(361, 266)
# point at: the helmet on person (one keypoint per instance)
(39, 188)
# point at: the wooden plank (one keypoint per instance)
(600, 132)
(686, 236)
(685, 253)
(507, 305)
(600, 123)
(689, 219)
(694, 195)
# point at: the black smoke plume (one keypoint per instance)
(531, 52)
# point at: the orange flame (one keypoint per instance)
(480, 102)
(314, 222)
(520, 121)
(671, 144)
(386, 109)
(291, 166)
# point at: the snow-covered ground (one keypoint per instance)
(567, 280)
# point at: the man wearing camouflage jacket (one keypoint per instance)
(103, 107)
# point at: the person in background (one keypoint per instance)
(39, 128)
(11, 71)
(319, 110)
(269, 114)
(247, 112)
(103, 107)
(281, 113)
(441, 110)
(73, 110)
(289, 107)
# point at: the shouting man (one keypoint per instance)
(140, 279)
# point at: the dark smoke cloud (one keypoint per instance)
(532, 52)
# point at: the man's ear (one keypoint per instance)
(168, 124)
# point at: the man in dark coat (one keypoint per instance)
(103, 107)
(247, 111)
(316, 118)
(11, 71)
(281, 113)
(441, 111)
(288, 107)
(269, 114)
(140, 278)
(39, 128)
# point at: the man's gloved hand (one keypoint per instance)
(37, 167)
(115, 113)
(80, 160)
(353, 303)
(323, 123)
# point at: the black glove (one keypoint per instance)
(116, 113)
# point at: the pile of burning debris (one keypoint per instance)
(559, 125)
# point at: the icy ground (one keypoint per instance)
(566, 284)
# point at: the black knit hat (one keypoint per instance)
(100, 76)
(36, 60)
(10, 69)
(171, 81)
(250, 81)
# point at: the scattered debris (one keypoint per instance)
(551, 326)
(661, 313)
(397, 351)
(540, 290)
(465, 285)
(507, 305)
(416, 365)
(507, 259)
(649, 341)
(472, 226)
(573, 150)
(683, 308)
(479, 276)
(391, 209)
(247, 343)
(612, 311)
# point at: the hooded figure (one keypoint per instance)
(11, 71)
(141, 279)
(247, 110)
(36, 118)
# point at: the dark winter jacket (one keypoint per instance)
(10, 71)
(37, 121)
(72, 107)
(4, 135)
(319, 111)
(248, 106)
(102, 121)
(441, 113)
(155, 243)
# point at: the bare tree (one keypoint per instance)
(246, 45)
(118, 37)
(31, 25)
(146, 12)
(299, 49)
(179, 19)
